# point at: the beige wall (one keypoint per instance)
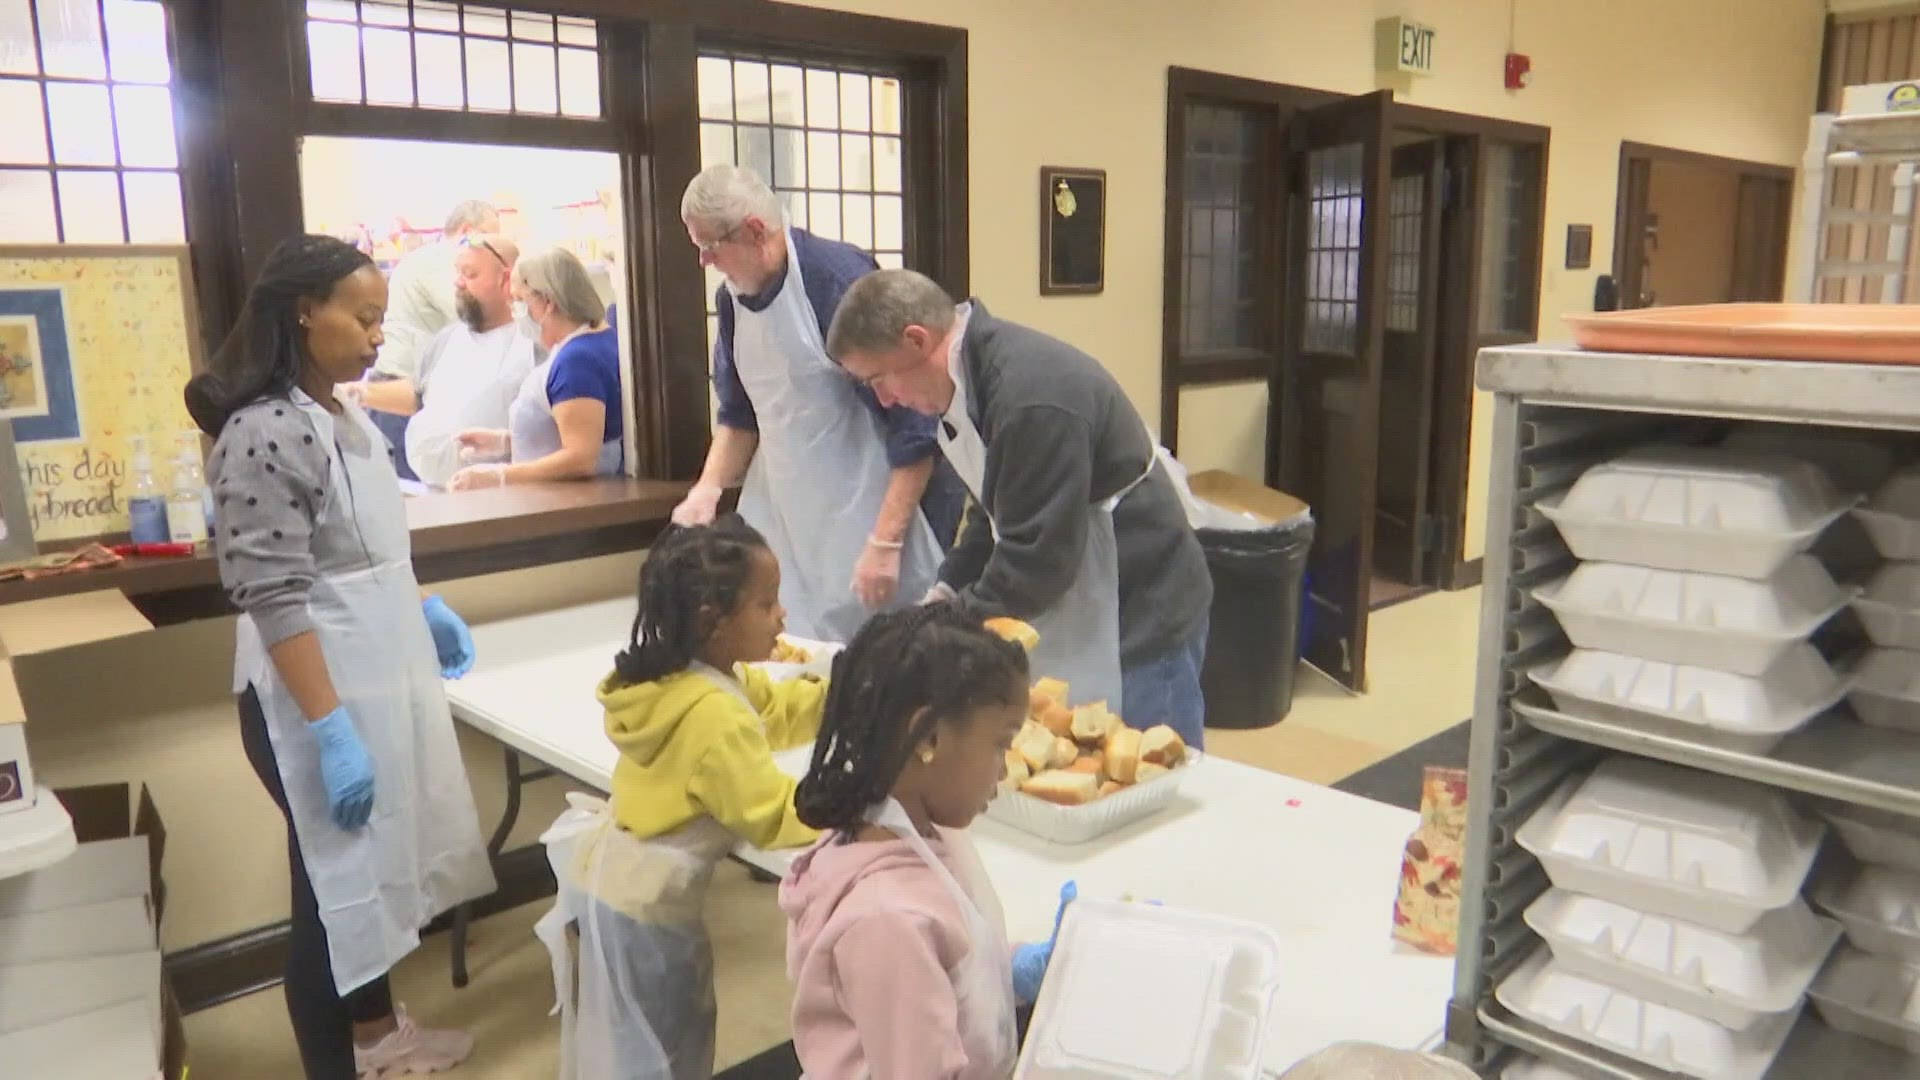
(1084, 83)
(1698, 209)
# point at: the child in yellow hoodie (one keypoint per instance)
(696, 728)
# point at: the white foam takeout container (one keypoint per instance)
(1877, 905)
(1713, 850)
(1889, 606)
(1140, 992)
(1892, 516)
(1856, 464)
(1747, 713)
(1876, 836)
(1707, 509)
(1090, 821)
(1698, 620)
(1733, 979)
(1877, 997)
(1886, 689)
(1547, 994)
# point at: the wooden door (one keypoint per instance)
(1411, 340)
(1324, 434)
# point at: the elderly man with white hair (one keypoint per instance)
(848, 492)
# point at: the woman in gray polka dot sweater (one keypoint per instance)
(338, 660)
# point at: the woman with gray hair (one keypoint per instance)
(567, 422)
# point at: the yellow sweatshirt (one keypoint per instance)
(689, 746)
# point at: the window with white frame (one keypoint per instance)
(436, 54)
(88, 153)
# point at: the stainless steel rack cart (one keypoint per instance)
(1556, 411)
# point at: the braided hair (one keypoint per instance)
(932, 658)
(266, 352)
(691, 580)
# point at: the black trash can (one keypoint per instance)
(1253, 647)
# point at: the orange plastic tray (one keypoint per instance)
(1841, 333)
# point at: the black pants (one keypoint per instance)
(322, 1020)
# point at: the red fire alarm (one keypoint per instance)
(1519, 70)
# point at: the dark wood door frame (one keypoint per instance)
(1187, 86)
(245, 70)
(1460, 340)
(1636, 167)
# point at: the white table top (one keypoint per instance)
(1320, 866)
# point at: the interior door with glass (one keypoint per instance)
(1326, 397)
(1412, 338)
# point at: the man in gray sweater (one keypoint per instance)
(1071, 526)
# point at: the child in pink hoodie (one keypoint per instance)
(895, 941)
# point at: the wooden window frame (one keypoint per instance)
(249, 70)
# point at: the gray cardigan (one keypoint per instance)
(1062, 436)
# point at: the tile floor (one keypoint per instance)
(1421, 659)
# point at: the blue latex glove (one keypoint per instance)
(1030, 961)
(451, 638)
(345, 769)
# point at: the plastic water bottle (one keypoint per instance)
(187, 505)
(146, 503)
(190, 457)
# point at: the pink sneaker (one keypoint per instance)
(410, 1050)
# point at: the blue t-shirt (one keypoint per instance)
(588, 366)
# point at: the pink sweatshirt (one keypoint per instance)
(872, 937)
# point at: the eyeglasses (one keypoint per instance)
(708, 247)
(484, 245)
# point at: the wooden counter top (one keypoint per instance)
(454, 535)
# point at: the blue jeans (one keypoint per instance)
(1166, 690)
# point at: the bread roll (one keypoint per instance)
(1064, 788)
(1110, 787)
(1163, 746)
(1034, 744)
(1093, 764)
(1150, 771)
(1018, 771)
(1057, 719)
(1123, 755)
(1053, 690)
(1093, 724)
(1015, 631)
(1064, 754)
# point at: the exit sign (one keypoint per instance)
(1406, 46)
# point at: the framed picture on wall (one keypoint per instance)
(96, 346)
(1073, 231)
(16, 521)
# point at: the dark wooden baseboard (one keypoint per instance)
(1466, 575)
(219, 971)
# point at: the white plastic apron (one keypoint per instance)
(820, 475)
(420, 853)
(1080, 633)
(534, 433)
(638, 1002)
(983, 985)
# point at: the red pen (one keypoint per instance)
(154, 551)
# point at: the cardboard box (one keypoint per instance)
(32, 634)
(1239, 494)
(112, 886)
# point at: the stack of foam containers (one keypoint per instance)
(1677, 934)
(1871, 987)
(1692, 608)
